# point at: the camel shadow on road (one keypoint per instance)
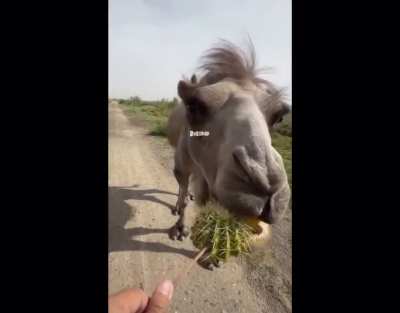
(119, 212)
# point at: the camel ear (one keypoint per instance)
(185, 90)
(193, 80)
(201, 102)
(196, 109)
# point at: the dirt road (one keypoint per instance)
(141, 193)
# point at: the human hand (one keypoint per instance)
(136, 301)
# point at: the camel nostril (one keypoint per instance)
(265, 215)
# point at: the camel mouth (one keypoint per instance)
(261, 230)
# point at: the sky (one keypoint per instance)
(153, 43)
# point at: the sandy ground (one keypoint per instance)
(142, 191)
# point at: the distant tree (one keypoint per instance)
(135, 99)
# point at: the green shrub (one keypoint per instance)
(155, 113)
(283, 144)
(160, 129)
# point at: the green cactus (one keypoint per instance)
(222, 233)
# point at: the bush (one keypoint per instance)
(283, 144)
(160, 129)
(155, 113)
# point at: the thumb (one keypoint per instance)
(161, 298)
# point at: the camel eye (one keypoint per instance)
(277, 120)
